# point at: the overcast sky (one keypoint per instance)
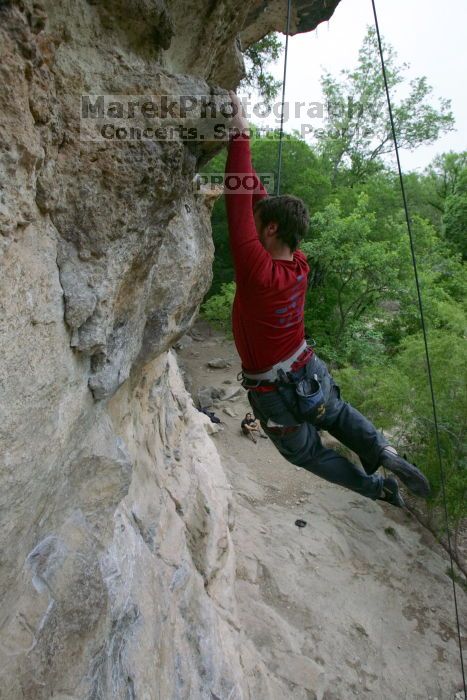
(432, 37)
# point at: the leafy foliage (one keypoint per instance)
(455, 215)
(353, 273)
(257, 56)
(396, 397)
(218, 308)
(358, 130)
(444, 174)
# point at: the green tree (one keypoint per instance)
(352, 273)
(442, 280)
(218, 308)
(357, 131)
(396, 397)
(257, 57)
(455, 215)
(443, 175)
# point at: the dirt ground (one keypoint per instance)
(356, 603)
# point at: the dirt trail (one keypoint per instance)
(358, 602)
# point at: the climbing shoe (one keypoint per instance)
(407, 473)
(390, 493)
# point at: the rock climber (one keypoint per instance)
(290, 389)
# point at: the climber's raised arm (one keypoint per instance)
(242, 190)
(239, 124)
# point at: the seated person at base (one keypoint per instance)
(250, 427)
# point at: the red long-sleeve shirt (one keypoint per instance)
(267, 317)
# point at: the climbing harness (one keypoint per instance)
(417, 285)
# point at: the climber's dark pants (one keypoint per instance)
(300, 443)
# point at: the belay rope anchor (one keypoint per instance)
(302, 523)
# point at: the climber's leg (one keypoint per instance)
(301, 445)
(353, 430)
(345, 423)
(356, 432)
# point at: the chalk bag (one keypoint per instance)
(310, 398)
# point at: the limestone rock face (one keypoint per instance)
(127, 590)
(116, 561)
(133, 244)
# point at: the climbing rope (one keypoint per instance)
(417, 285)
(281, 132)
(425, 338)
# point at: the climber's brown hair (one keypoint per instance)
(289, 212)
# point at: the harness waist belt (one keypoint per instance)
(271, 374)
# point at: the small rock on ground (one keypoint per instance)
(219, 363)
(229, 412)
